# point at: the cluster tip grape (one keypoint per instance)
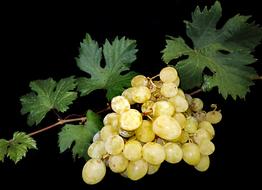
(152, 121)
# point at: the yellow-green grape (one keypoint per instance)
(139, 80)
(213, 117)
(177, 81)
(206, 147)
(97, 137)
(208, 127)
(111, 119)
(200, 135)
(153, 153)
(133, 150)
(179, 103)
(181, 119)
(160, 141)
(168, 74)
(181, 93)
(191, 125)
(196, 104)
(125, 134)
(120, 104)
(169, 89)
(200, 116)
(184, 137)
(96, 150)
(203, 164)
(163, 108)
(145, 132)
(153, 168)
(191, 153)
(128, 94)
(130, 120)
(124, 174)
(107, 131)
(141, 94)
(166, 127)
(174, 153)
(118, 163)
(137, 169)
(93, 171)
(114, 144)
(188, 98)
(147, 107)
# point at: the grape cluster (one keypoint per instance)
(153, 121)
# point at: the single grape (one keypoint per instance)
(96, 150)
(174, 153)
(153, 168)
(112, 119)
(114, 144)
(118, 163)
(163, 108)
(203, 164)
(191, 125)
(169, 89)
(181, 119)
(179, 103)
(208, 127)
(133, 150)
(93, 171)
(137, 169)
(125, 134)
(206, 147)
(130, 120)
(196, 104)
(145, 132)
(107, 131)
(191, 153)
(213, 117)
(120, 104)
(141, 94)
(200, 135)
(139, 80)
(181, 93)
(166, 127)
(97, 137)
(168, 74)
(128, 94)
(153, 153)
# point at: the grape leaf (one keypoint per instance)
(79, 137)
(226, 52)
(3, 148)
(48, 94)
(118, 58)
(19, 145)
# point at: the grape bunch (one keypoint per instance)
(152, 121)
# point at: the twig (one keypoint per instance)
(257, 78)
(195, 92)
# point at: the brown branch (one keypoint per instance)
(196, 92)
(256, 78)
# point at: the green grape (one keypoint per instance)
(208, 127)
(153, 153)
(191, 125)
(118, 163)
(114, 144)
(166, 127)
(145, 132)
(163, 108)
(206, 147)
(203, 164)
(141, 94)
(93, 171)
(133, 150)
(181, 119)
(168, 74)
(191, 153)
(169, 89)
(181, 93)
(153, 168)
(111, 119)
(177, 81)
(179, 103)
(107, 131)
(128, 94)
(184, 137)
(96, 150)
(213, 117)
(120, 104)
(139, 80)
(125, 134)
(130, 120)
(196, 104)
(200, 135)
(174, 153)
(97, 137)
(137, 169)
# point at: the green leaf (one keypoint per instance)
(118, 57)
(19, 145)
(3, 149)
(48, 94)
(79, 137)
(225, 52)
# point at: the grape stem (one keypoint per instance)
(64, 121)
(196, 92)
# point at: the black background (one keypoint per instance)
(40, 41)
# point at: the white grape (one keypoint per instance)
(168, 74)
(114, 144)
(191, 125)
(200, 135)
(180, 103)
(139, 80)
(174, 153)
(169, 89)
(145, 132)
(213, 117)
(141, 94)
(196, 104)
(153, 168)
(137, 169)
(133, 150)
(130, 120)
(163, 108)
(93, 171)
(153, 153)
(111, 119)
(118, 163)
(107, 131)
(120, 104)
(208, 127)
(181, 119)
(96, 150)
(128, 94)
(191, 153)
(206, 147)
(203, 164)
